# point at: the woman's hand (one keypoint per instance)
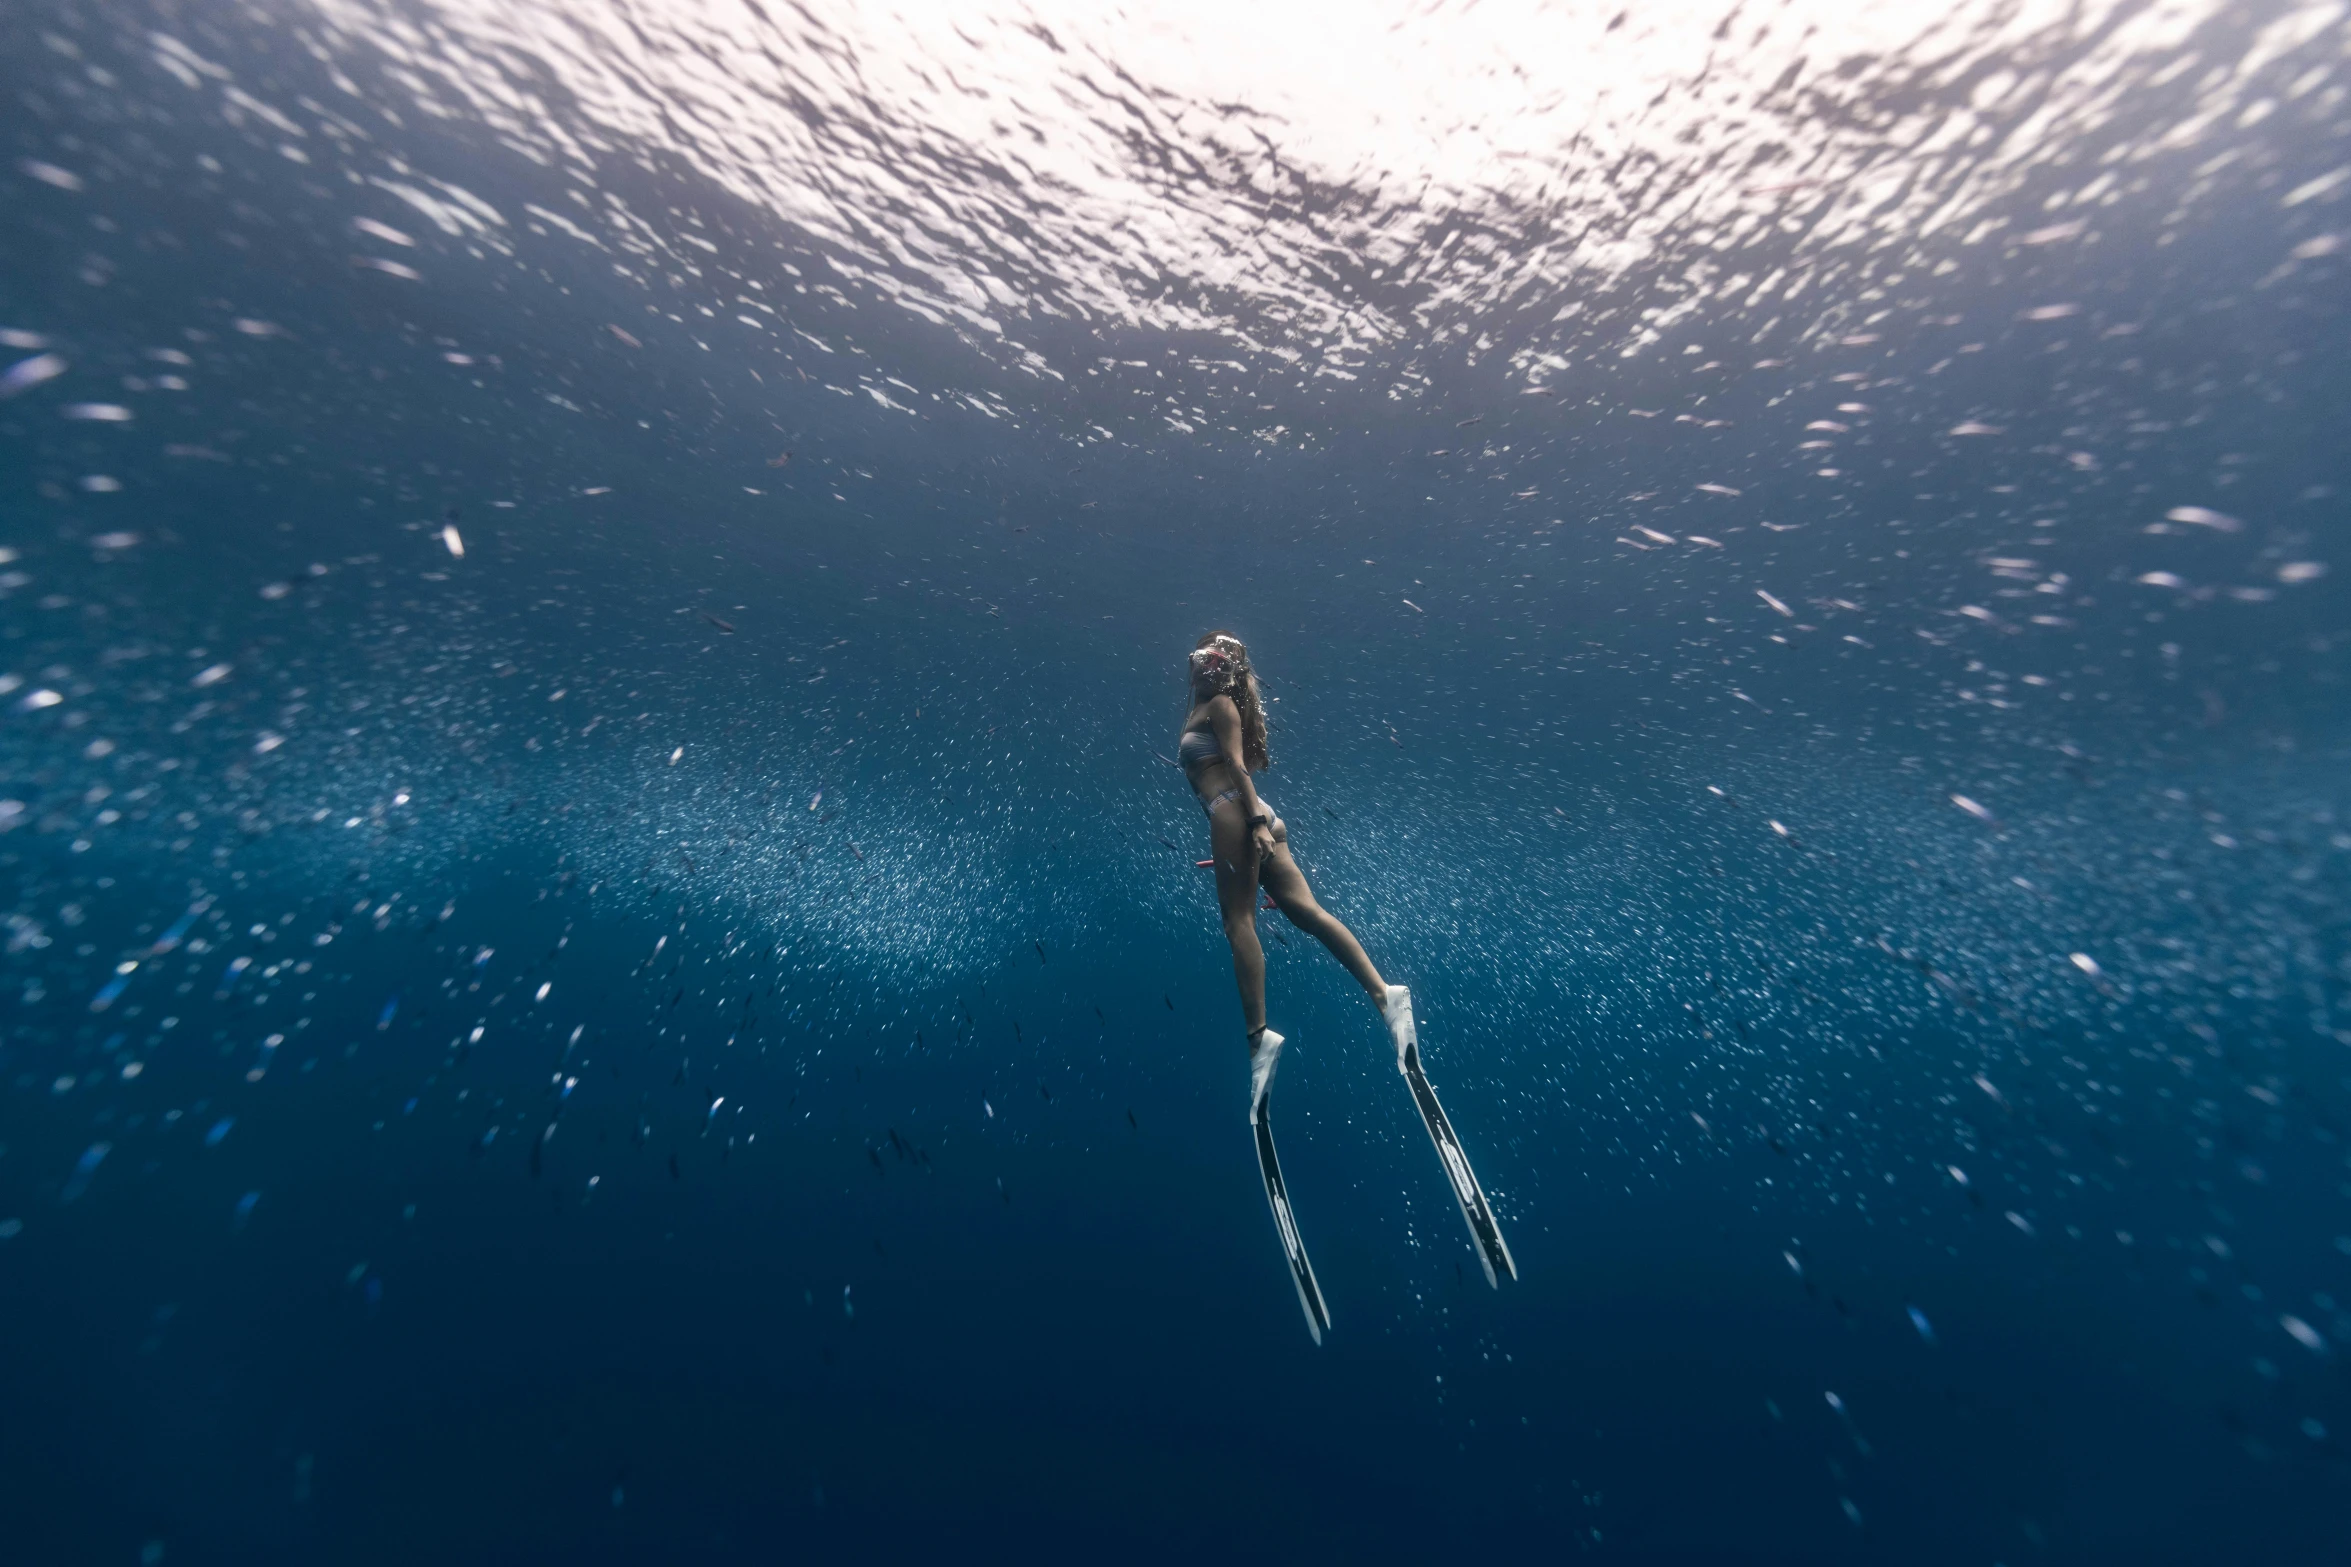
(1262, 839)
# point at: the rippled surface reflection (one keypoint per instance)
(1353, 184)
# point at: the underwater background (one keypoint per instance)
(603, 962)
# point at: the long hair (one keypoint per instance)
(1240, 683)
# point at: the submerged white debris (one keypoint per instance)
(26, 374)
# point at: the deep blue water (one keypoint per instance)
(578, 990)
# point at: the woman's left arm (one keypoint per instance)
(1225, 718)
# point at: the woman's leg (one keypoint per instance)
(1236, 900)
(1286, 885)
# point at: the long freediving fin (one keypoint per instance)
(1277, 1196)
(1493, 1251)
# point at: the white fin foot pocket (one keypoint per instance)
(1264, 1056)
(1396, 1012)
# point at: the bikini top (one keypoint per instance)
(1196, 749)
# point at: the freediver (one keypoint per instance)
(1223, 742)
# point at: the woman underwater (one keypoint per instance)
(1222, 744)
